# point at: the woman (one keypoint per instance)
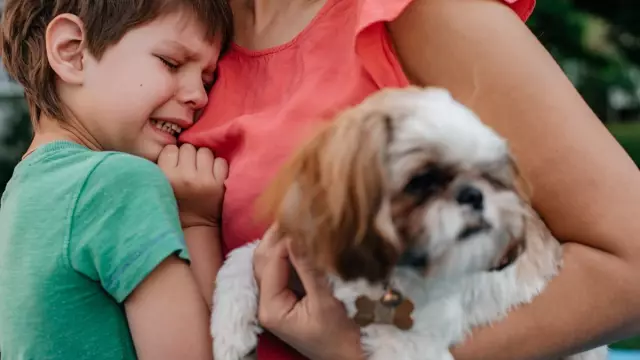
(296, 61)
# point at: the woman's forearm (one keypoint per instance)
(594, 301)
(583, 184)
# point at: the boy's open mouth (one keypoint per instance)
(170, 128)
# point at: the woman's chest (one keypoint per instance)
(265, 103)
(258, 114)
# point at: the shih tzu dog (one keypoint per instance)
(411, 205)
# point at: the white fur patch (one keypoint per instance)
(234, 321)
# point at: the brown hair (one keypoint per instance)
(25, 22)
(330, 198)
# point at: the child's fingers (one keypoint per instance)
(168, 158)
(204, 161)
(187, 159)
(220, 169)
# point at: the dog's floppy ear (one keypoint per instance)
(331, 199)
(521, 185)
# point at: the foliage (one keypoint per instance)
(598, 45)
(628, 135)
(16, 139)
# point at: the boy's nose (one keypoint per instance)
(195, 95)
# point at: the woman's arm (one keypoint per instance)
(584, 185)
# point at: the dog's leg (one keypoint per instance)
(234, 318)
(385, 342)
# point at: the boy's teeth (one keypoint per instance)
(171, 128)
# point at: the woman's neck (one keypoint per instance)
(48, 130)
(262, 24)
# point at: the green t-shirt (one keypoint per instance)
(79, 230)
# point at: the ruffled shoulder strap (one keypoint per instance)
(374, 46)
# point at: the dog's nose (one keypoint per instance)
(471, 196)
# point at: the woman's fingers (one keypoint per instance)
(315, 283)
(263, 252)
(276, 300)
(270, 237)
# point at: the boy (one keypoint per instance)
(93, 263)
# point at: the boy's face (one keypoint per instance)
(146, 86)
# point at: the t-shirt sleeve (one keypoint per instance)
(124, 224)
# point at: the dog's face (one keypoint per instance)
(409, 178)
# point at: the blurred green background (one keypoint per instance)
(596, 42)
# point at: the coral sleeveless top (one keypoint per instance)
(264, 104)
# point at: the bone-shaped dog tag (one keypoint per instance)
(366, 313)
(392, 309)
(402, 318)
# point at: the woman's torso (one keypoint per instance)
(266, 102)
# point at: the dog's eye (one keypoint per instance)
(496, 181)
(427, 182)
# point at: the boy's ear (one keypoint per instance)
(65, 47)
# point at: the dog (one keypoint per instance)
(413, 208)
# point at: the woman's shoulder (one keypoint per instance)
(373, 11)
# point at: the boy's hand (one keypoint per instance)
(197, 178)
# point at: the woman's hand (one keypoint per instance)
(317, 324)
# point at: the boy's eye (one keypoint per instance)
(168, 63)
(207, 81)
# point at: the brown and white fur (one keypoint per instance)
(408, 187)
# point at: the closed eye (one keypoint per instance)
(173, 66)
(428, 182)
(495, 182)
(208, 80)
(500, 180)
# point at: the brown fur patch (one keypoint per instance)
(331, 197)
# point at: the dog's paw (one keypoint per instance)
(235, 347)
(235, 330)
(383, 342)
(234, 321)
